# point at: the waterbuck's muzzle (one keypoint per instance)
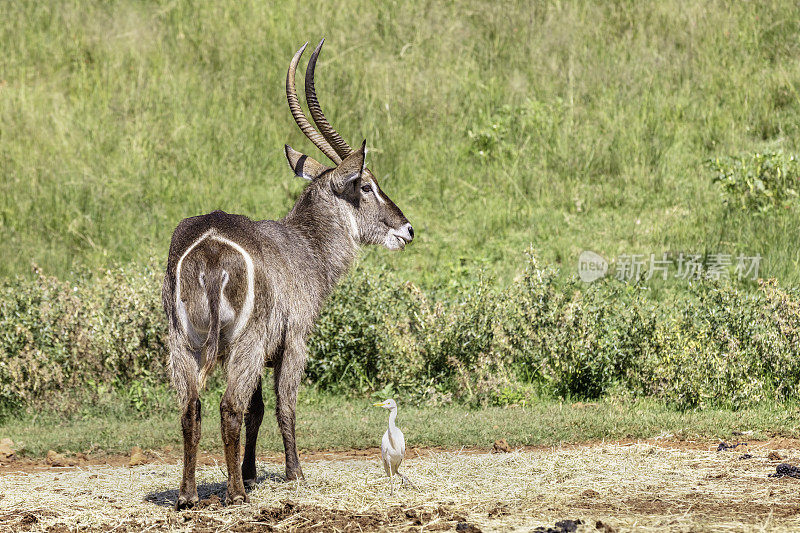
(405, 234)
(397, 238)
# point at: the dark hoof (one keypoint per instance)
(186, 502)
(249, 484)
(238, 499)
(295, 475)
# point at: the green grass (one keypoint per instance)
(121, 118)
(326, 422)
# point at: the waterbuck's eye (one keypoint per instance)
(366, 188)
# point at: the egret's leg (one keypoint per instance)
(406, 480)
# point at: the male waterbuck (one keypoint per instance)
(246, 293)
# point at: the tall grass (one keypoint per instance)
(571, 125)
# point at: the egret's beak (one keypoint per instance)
(378, 404)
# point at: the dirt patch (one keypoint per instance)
(308, 518)
(638, 486)
(168, 456)
(23, 520)
(700, 505)
(287, 516)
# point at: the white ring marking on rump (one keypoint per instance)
(247, 308)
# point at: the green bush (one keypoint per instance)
(102, 336)
(725, 347)
(66, 342)
(758, 182)
(581, 340)
(350, 339)
(378, 332)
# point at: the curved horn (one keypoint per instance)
(325, 128)
(300, 118)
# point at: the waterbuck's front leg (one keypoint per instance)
(288, 372)
(252, 421)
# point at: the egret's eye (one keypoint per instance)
(366, 188)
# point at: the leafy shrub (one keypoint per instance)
(710, 351)
(377, 333)
(581, 340)
(759, 182)
(65, 342)
(347, 351)
(102, 336)
(726, 347)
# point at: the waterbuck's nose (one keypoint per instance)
(409, 231)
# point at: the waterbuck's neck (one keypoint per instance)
(328, 233)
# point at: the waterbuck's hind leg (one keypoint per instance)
(244, 367)
(252, 421)
(231, 416)
(190, 423)
(288, 373)
(183, 367)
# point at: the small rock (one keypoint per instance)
(568, 526)
(590, 493)
(724, 446)
(137, 457)
(562, 526)
(28, 519)
(501, 446)
(499, 510)
(775, 456)
(746, 456)
(55, 459)
(785, 469)
(6, 448)
(466, 527)
(605, 528)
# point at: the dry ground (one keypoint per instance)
(631, 486)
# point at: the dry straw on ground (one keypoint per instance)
(634, 487)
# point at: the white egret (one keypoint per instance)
(393, 446)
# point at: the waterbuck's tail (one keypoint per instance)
(214, 284)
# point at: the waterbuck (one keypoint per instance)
(246, 293)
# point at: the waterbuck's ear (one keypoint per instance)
(302, 165)
(348, 174)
